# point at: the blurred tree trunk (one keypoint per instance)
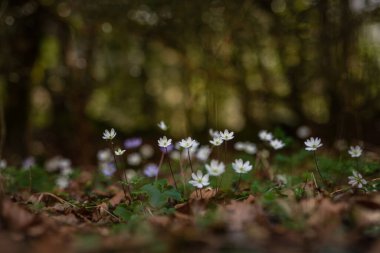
(70, 123)
(22, 48)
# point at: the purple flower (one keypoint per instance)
(108, 169)
(28, 163)
(168, 148)
(132, 143)
(151, 170)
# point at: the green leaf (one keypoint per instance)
(156, 198)
(122, 212)
(172, 193)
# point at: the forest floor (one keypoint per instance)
(274, 208)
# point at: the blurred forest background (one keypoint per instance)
(70, 69)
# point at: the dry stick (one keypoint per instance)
(316, 164)
(114, 157)
(339, 190)
(170, 166)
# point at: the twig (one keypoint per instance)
(61, 200)
(339, 190)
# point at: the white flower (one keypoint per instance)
(109, 135)
(240, 146)
(265, 135)
(199, 180)
(64, 163)
(303, 132)
(147, 151)
(194, 147)
(203, 153)
(162, 125)
(313, 144)
(355, 151)
(62, 182)
(3, 164)
(67, 171)
(119, 151)
(175, 155)
(213, 133)
(130, 174)
(134, 159)
(187, 143)
(57, 163)
(215, 168)
(277, 144)
(240, 167)
(357, 180)
(250, 148)
(217, 141)
(164, 142)
(104, 155)
(226, 135)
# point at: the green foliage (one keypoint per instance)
(20, 179)
(122, 212)
(158, 194)
(291, 161)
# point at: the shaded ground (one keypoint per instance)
(342, 222)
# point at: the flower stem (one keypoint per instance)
(225, 162)
(238, 184)
(160, 164)
(30, 179)
(316, 164)
(114, 157)
(126, 178)
(170, 167)
(182, 176)
(191, 165)
(225, 152)
(357, 164)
